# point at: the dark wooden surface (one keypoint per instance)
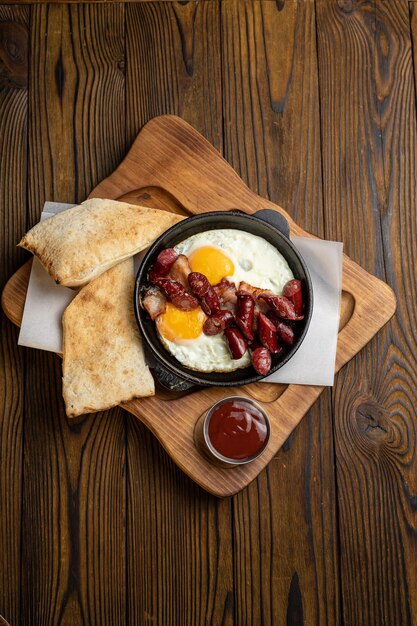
(313, 103)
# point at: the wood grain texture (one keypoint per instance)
(374, 302)
(367, 93)
(74, 475)
(266, 556)
(174, 66)
(413, 32)
(271, 111)
(178, 538)
(79, 124)
(169, 153)
(120, 2)
(13, 173)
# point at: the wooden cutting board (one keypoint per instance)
(172, 167)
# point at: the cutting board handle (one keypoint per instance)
(170, 154)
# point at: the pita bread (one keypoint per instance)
(103, 360)
(77, 245)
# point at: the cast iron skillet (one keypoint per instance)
(270, 225)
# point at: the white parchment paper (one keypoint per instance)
(45, 302)
(313, 363)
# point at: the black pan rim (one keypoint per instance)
(182, 372)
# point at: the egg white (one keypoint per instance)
(205, 354)
(256, 262)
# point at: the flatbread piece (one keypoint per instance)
(77, 245)
(103, 360)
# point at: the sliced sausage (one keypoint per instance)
(245, 314)
(236, 342)
(201, 287)
(282, 306)
(267, 334)
(218, 322)
(294, 292)
(163, 264)
(261, 360)
(178, 295)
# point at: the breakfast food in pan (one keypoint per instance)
(220, 301)
(77, 245)
(224, 299)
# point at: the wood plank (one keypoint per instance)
(367, 93)
(68, 2)
(413, 30)
(285, 572)
(173, 66)
(14, 25)
(167, 150)
(179, 564)
(74, 475)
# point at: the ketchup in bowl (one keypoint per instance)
(233, 432)
(237, 429)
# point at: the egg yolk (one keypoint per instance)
(175, 324)
(212, 263)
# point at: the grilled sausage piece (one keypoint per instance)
(282, 306)
(178, 295)
(293, 291)
(199, 284)
(218, 322)
(162, 265)
(261, 360)
(285, 332)
(201, 287)
(245, 314)
(236, 342)
(268, 334)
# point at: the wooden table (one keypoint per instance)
(314, 104)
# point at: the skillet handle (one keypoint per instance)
(276, 219)
(170, 381)
(165, 378)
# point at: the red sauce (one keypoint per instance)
(237, 429)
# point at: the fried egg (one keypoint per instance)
(202, 353)
(236, 255)
(226, 253)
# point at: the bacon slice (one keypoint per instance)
(226, 291)
(180, 270)
(154, 302)
(255, 292)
